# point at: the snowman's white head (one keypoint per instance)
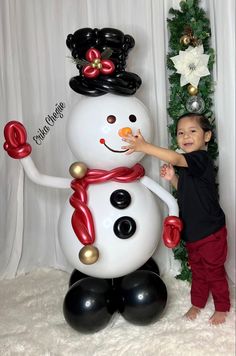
(93, 130)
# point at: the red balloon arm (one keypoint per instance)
(172, 228)
(82, 220)
(15, 144)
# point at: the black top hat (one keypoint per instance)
(100, 56)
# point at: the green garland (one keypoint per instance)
(188, 26)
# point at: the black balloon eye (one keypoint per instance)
(132, 118)
(120, 199)
(111, 119)
(124, 227)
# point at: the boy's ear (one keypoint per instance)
(208, 135)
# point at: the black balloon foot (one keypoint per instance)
(142, 297)
(90, 302)
(88, 305)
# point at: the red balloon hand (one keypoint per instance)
(16, 145)
(171, 231)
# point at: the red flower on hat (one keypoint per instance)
(97, 64)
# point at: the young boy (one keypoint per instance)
(204, 220)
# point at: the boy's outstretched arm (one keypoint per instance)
(138, 144)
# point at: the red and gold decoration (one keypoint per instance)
(96, 63)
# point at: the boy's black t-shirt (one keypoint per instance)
(198, 198)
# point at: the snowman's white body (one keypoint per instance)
(88, 128)
(117, 256)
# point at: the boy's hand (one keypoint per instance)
(135, 143)
(167, 172)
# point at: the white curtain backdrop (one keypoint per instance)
(35, 73)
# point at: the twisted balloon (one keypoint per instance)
(82, 220)
(15, 144)
(171, 231)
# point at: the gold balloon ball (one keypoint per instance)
(78, 170)
(185, 39)
(88, 255)
(192, 90)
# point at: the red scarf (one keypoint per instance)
(82, 220)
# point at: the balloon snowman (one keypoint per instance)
(111, 225)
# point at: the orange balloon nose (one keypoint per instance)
(125, 131)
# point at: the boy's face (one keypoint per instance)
(190, 135)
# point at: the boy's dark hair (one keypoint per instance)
(203, 121)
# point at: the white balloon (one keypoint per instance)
(117, 256)
(88, 124)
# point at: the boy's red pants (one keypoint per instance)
(206, 259)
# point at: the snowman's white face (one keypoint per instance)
(93, 130)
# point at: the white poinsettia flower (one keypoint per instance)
(192, 65)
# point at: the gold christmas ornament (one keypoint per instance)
(78, 170)
(192, 90)
(88, 255)
(185, 40)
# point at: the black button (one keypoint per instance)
(120, 199)
(124, 227)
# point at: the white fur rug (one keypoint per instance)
(32, 323)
